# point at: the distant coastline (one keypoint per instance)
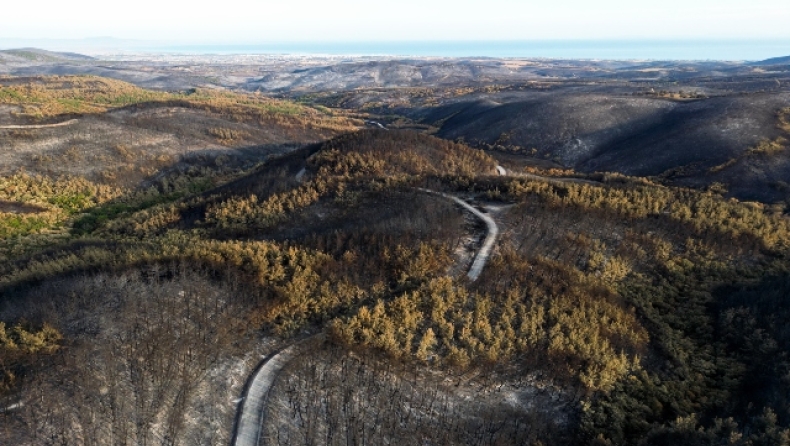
(570, 49)
(721, 50)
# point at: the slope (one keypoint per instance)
(681, 139)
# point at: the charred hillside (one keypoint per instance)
(139, 291)
(682, 140)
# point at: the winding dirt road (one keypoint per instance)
(488, 244)
(252, 409)
(38, 126)
(492, 231)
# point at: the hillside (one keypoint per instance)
(680, 140)
(114, 133)
(28, 55)
(610, 309)
(94, 139)
(775, 61)
(157, 245)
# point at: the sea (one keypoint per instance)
(698, 50)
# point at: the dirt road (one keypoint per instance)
(38, 126)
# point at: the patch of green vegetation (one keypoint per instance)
(99, 216)
(129, 98)
(72, 203)
(325, 110)
(11, 95)
(18, 225)
(284, 109)
(72, 105)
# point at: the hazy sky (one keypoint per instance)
(345, 20)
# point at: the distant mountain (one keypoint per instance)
(775, 61)
(39, 55)
(92, 45)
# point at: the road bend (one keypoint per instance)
(492, 232)
(488, 244)
(250, 419)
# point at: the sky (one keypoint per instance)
(255, 21)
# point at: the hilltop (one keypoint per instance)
(31, 55)
(775, 61)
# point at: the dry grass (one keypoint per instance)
(784, 119)
(51, 97)
(125, 135)
(768, 147)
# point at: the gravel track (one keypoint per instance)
(39, 126)
(252, 409)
